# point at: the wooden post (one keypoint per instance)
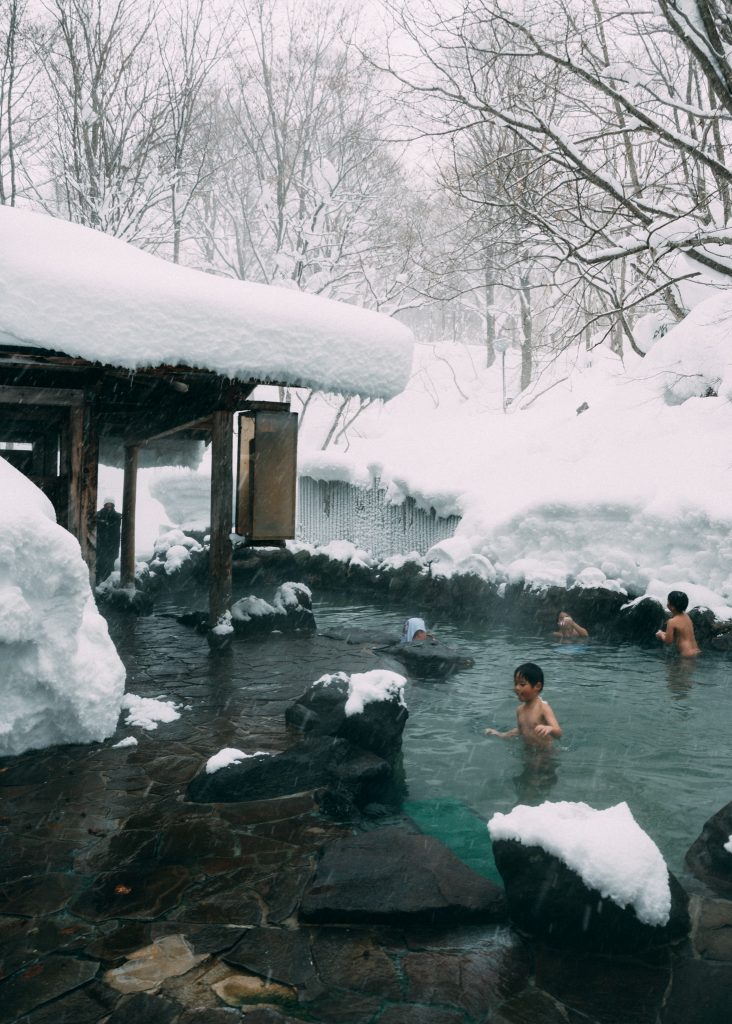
(73, 470)
(129, 495)
(88, 473)
(222, 494)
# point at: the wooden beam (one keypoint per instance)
(129, 495)
(219, 565)
(168, 411)
(40, 396)
(199, 424)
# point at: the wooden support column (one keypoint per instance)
(88, 473)
(129, 497)
(72, 469)
(222, 494)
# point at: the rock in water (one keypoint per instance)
(429, 659)
(710, 855)
(333, 766)
(549, 900)
(323, 711)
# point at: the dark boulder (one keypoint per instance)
(640, 620)
(429, 659)
(319, 763)
(705, 624)
(549, 900)
(596, 608)
(291, 611)
(378, 728)
(396, 874)
(722, 639)
(707, 857)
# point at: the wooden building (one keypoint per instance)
(103, 347)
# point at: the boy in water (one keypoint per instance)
(679, 628)
(536, 723)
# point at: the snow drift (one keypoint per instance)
(61, 679)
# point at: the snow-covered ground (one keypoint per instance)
(605, 471)
(61, 679)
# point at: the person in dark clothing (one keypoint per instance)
(108, 534)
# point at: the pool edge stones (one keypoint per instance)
(396, 874)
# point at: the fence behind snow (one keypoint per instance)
(333, 510)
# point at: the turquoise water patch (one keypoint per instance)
(460, 829)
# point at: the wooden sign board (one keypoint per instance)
(266, 490)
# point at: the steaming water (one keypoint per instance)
(639, 725)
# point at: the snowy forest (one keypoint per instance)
(541, 176)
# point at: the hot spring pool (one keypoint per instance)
(639, 725)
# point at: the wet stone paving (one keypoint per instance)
(122, 902)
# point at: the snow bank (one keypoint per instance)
(633, 488)
(61, 679)
(367, 687)
(607, 849)
(81, 292)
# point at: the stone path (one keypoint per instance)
(121, 902)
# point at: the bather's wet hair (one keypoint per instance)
(679, 600)
(531, 673)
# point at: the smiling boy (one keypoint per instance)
(536, 723)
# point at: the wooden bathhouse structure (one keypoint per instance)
(111, 354)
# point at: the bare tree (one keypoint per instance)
(109, 116)
(20, 109)
(625, 109)
(190, 49)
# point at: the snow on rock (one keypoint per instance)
(173, 549)
(128, 741)
(728, 845)
(223, 625)
(146, 712)
(607, 849)
(456, 555)
(69, 288)
(230, 755)
(288, 596)
(175, 539)
(367, 688)
(61, 679)
(251, 607)
(345, 551)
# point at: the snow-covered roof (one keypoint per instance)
(69, 288)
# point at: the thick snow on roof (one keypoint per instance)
(66, 287)
(61, 679)
(608, 849)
